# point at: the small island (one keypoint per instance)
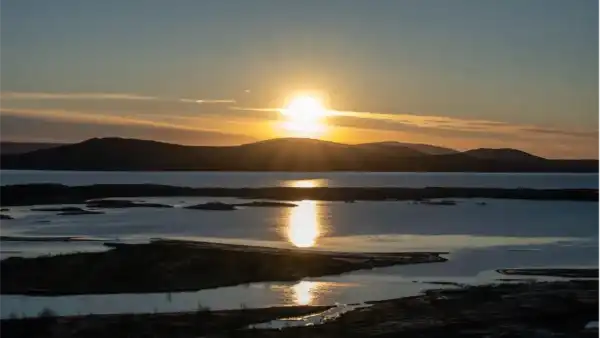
(95, 195)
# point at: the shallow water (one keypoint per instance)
(363, 226)
(274, 179)
(480, 239)
(312, 319)
(351, 288)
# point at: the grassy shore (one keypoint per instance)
(165, 266)
(183, 324)
(556, 309)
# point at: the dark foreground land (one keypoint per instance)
(557, 309)
(183, 324)
(31, 194)
(165, 266)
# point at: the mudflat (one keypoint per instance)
(167, 265)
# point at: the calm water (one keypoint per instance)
(343, 179)
(480, 238)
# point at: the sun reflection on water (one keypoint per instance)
(303, 227)
(311, 183)
(303, 292)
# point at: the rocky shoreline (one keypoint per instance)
(32, 194)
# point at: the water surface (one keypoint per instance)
(329, 179)
(479, 239)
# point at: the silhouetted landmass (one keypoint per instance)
(7, 147)
(181, 324)
(423, 148)
(165, 266)
(503, 154)
(553, 272)
(279, 155)
(215, 206)
(32, 194)
(267, 204)
(118, 204)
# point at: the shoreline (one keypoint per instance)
(523, 309)
(172, 266)
(202, 321)
(39, 194)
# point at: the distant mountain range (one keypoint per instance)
(285, 154)
(423, 148)
(24, 147)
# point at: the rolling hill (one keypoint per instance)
(24, 147)
(287, 154)
(423, 148)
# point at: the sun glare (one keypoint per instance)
(305, 116)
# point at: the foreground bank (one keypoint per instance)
(165, 266)
(506, 310)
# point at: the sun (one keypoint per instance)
(305, 116)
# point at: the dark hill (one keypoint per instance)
(7, 147)
(272, 155)
(502, 154)
(423, 148)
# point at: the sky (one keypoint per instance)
(462, 73)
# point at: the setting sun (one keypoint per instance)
(305, 115)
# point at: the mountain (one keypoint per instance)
(503, 154)
(423, 148)
(288, 154)
(24, 147)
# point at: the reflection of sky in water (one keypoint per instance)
(480, 239)
(321, 225)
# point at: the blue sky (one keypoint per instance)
(461, 73)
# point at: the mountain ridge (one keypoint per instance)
(287, 154)
(421, 147)
(12, 147)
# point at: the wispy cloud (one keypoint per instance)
(207, 101)
(72, 96)
(102, 96)
(93, 118)
(573, 133)
(425, 123)
(230, 131)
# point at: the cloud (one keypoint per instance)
(72, 96)
(104, 123)
(207, 101)
(585, 134)
(28, 129)
(438, 124)
(102, 96)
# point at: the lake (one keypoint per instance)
(481, 235)
(480, 239)
(276, 179)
